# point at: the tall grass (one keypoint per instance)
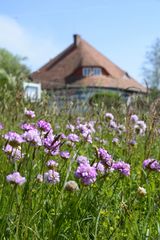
(112, 207)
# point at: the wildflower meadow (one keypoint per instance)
(91, 175)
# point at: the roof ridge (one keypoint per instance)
(61, 55)
(57, 58)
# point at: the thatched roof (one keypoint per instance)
(61, 71)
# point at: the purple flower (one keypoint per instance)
(70, 127)
(120, 129)
(123, 167)
(105, 157)
(109, 116)
(14, 154)
(132, 142)
(44, 126)
(82, 160)
(86, 173)
(52, 177)
(1, 126)
(115, 140)
(73, 137)
(52, 164)
(134, 118)
(140, 127)
(27, 126)
(65, 154)
(90, 126)
(142, 124)
(151, 164)
(88, 138)
(16, 178)
(99, 167)
(50, 141)
(113, 124)
(51, 144)
(86, 130)
(52, 152)
(83, 129)
(63, 136)
(29, 113)
(33, 137)
(14, 139)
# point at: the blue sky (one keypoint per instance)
(123, 30)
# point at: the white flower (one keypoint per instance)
(142, 191)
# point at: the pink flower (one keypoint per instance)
(16, 178)
(29, 113)
(86, 173)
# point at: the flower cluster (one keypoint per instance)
(86, 173)
(51, 164)
(105, 157)
(33, 137)
(151, 164)
(71, 127)
(82, 160)
(99, 167)
(14, 154)
(27, 126)
(52, 176)
(73, 137)
(16, 178)
(29, 113)
(51, 144)
(139, 126)
(44, 126)
(14, 139)
(40, 135)
(86, 130)
(134, 118)
(65, 154)
(123, 167)
(109, 116)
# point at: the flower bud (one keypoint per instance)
(142, 191)
(71, 186)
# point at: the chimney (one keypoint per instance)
(77, 39)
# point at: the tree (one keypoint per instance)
(151, 69)
(12, 70)
(12, 64)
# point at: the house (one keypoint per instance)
(80, 71)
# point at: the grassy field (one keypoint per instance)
(79, 176)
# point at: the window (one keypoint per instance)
(91, 71)
(32, 91)
(97, 71)
(87, 71)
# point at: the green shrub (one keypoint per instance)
(109, 99)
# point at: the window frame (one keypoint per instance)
(32, 91)
(97, 71)
(91, 71)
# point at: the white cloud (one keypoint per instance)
(18, 40)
